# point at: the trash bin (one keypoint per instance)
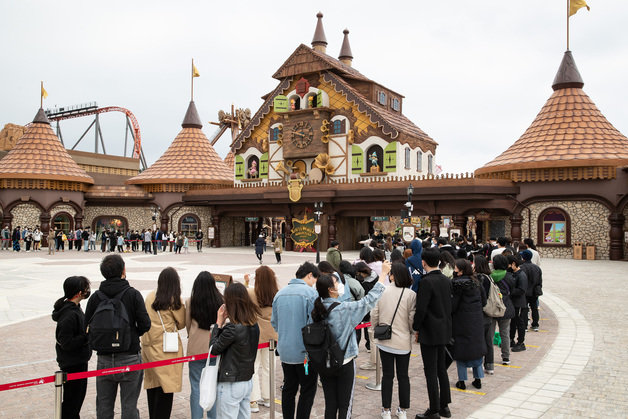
(590, 252)
(577, 250)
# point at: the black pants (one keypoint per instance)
(436, 377)
(278, 257)
(534, 309)
(73, 393)
(388, 374)
(199, 245)
(78, 244)
(146, 247)
(154, 248)
(338, 390)
(518, 325)
(159, 403)
(293, 377)
(259, 256)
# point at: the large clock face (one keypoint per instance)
(302, 134)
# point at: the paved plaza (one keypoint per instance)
(576, 366)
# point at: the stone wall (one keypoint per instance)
(25, 215)
(203, 213)
(138, 217)
(61, 208)
(589, 224)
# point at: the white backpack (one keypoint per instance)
(495, 306)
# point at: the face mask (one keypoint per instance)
(341, 288)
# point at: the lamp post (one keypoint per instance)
(409, 203)
(318, 211)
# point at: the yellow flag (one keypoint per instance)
(575, 5)
(44, 94)
(195, 72)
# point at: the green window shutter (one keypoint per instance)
(357, 160)
(263, 166)
(239, 167)
(390, 157)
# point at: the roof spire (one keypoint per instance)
(319, 42)
(41, 117)
(346, 56)
(192, 120)
(568, 74)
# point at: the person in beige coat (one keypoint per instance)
(262, 295)
(162, 382)
(396, 350)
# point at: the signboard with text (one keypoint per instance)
(303, 234)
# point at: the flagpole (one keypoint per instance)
(568, 25)
(41, 95)
(192, 81)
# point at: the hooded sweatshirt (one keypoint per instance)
(72, 348)
(415, 263)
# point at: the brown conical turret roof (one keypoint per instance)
(345, 50)
(190, 159)
(230, 160)
(570, 132)
(39, 154)
(319, 38)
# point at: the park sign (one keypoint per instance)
(281, 104)
(303, 234)
(380, 218)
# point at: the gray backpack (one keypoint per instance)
(495, 306)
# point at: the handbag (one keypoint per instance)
(384, 331)
(171, 339)
(208, 382)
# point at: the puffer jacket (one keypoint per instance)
(237, 344)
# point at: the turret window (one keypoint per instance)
(381, 98)
(339, 126)
(394, 104)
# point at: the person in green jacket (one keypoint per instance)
(333, 255)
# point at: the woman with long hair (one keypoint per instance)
(262, 295)
(396, 308)
(447, 264)
(343, 318)
(236, 341)
(200, 315)
(468, 298)
(73, 352)
(167, 314)
(327, 268)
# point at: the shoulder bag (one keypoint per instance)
(171, 339)
(384, 331)
(208, 382)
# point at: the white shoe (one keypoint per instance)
(264, 402)
(401, 414)
(385, 414)
(254, 407)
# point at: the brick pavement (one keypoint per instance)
(599, 380)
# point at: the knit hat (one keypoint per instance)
(526, 255)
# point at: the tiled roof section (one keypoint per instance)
(391, 123)
(39, 154)
(567, 74)
(230, 160)
(116, 191)
(261, 113)
(570, 131)
(328, 63)
(189, 159)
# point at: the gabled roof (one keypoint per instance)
(39, 154)
(570, 131)
(317, 61)
(189, 159)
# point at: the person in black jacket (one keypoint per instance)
(71, 342)
(112, 268)
(259, 247)
(518, 296)
(432, 320)
(535, 286)
(237, 343)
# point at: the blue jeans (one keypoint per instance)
(233, 400)
(476, 364)
(196, 367)
(107, 386)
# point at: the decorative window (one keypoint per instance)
(419, 161)
(189, 224)
(274, 134)
(407, 158)
(430, 164)
(111, 222)
(394, 104)
(374, 158)
(381, 98)
(311, 100)
(554, 228)
(339, 126)
(63, 222)
(295, 103)
(253, 168)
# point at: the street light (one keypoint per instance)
(409, 203)
(318, 211)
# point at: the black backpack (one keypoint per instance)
(109, 329)
(322, 349)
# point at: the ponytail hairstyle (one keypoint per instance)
(323, 284)
(465, 268)
(72, 286)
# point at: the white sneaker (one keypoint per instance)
(401, 414)
(386, 414)
(264, 402)
(254, 407)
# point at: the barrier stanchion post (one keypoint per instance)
(59, 379)
(377, 385)
(271, 374)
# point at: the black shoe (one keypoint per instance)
(477, 383)
(519, 347)
(512, 344)
(461, 385)
(445, 412)
(427, 415)
(505, 361)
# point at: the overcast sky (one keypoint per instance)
(474, 73)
